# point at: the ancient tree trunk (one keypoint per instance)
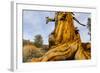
(67, 41)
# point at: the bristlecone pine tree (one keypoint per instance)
(65, 42)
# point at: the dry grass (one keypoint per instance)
(31, 51)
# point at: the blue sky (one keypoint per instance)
(34, 23)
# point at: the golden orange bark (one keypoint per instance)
(68, 43)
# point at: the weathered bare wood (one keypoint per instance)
(67, 43)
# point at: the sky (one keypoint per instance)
(34, 23)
